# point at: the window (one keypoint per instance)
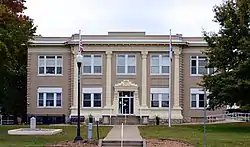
(126, 64)
(49, 97)
(159, 64)
(92, 64)
(198, 66)
(197, 98)
(50, 65)
(92, 97)
(160, 97)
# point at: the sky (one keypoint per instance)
(62, 18)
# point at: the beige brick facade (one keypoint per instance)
(142, 83)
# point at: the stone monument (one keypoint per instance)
(33, 123)
(33, 130)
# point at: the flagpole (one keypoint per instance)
(170, 79)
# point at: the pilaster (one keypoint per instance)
(177, 53)
(144, 79)
(108, 78)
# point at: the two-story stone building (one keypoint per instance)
(123, 73)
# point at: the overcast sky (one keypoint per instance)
(66, 17)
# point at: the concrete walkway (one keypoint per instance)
(130, 133)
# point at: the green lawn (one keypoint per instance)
(69, 133)
(219, 135)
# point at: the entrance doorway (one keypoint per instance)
(126, 102)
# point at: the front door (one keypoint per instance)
(126, 102)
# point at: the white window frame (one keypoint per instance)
(92, 91)
(49, 90)
(92, 65)
(160, 64)
(159, 91)
(44, 73)
(197, 58)
(126, 64)
(197, 91)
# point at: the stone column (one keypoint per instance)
(177, 53)
(108, 78)
(144, 79)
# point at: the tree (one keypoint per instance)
(229, 52)
(16, 29)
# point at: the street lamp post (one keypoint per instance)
(79, 60)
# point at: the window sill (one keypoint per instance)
(92, 74)
(125, 74)
(39, 107)
(196, 75)
(50, 75)
(92, 108)
(159, 108)
(159, 74)
(200, 108)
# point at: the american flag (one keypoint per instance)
(170, 47)
(80, 43)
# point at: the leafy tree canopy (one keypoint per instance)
(229, 53)
(16, 29)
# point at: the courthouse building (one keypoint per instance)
(123, 74)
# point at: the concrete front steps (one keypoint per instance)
(126, 120)
(117, 143)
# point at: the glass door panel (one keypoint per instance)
(125, 105)
(120, 105)
(126, 102)
(131, 105)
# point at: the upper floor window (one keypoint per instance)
(159, 97)
(126, 64)
(159, 64)
(198, 66)
(50, 65)
(49, 97)
(197, 98)
(92, 64)
(92, 97)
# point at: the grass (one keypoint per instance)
(69, 133)
(219, 135)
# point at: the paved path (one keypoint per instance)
(130, 133)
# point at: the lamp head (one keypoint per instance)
(79, 58)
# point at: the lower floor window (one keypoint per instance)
(159, 97)
(92, 97)
(49, 97)
(197, 99)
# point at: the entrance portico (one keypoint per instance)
(126, 99)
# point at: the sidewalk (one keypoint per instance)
(130, 133)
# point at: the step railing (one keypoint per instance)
(245, 117)
(122, 135)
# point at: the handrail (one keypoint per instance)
(122, 136)
(110, 117)
(231, 116)
(125, 121)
